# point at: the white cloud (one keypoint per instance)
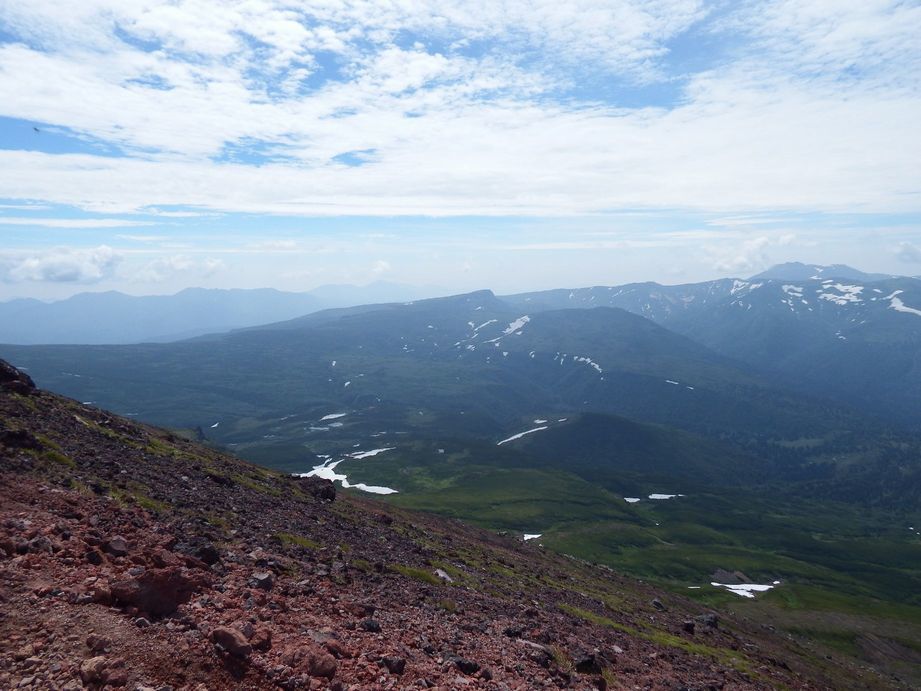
(814, 108)
(908, 252)
(60, 265)
(744, 257)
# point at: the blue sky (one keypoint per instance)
(150, 146)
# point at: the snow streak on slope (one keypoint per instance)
(521, 434)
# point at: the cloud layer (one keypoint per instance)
(455, 108)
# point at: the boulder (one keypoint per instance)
(232, 641)
(588, 663)
(92, 671)
(19, 439)
(710, 620)
(117, 546)
(14, 380)
(321, 664)
(466, 666)
(264, 580)
(158, 591)
(319, 488)
(394, 665)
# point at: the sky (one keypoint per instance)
(149, 146)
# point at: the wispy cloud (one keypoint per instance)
(71, 222)
(167, 267)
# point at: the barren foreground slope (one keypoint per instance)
(130, 557)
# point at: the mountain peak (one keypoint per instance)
(798, 271)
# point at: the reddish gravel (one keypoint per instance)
(130, 558)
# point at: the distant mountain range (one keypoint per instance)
(852, 339)
(113, 317)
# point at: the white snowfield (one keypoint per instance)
(846, 293)
(521, 434)
(899, 306)
(631, 500)
(517, 324)
(532, 536)
(745, 589)
(664, 496)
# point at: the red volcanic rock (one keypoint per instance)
(117, 546)
(158, 591)
(261, 639)
(313, 660)
(92, 671)
(321, 664)
(232, 641)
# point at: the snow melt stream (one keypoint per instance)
(327, 471)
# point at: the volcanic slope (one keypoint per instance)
(132, 557)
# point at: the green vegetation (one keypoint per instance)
(288, 539)
(722, 655)
(58, 457)
(416, 573)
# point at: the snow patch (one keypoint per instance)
(532, 536)
(745, 589)
(631, 500)
(521, 434)
(332, 416)
(589, 362)
(517, 324)
(368, 454)
(899, 306)
(664, 496)
(215, 425)
(848, 294)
